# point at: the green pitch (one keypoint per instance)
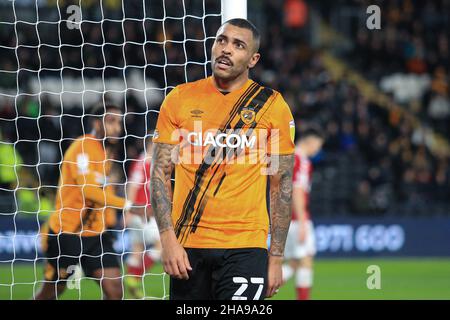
(334, 279)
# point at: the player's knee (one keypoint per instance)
(112, 289)
(50, 291)
(60, 288)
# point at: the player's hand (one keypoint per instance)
(275, 275)
(173, 256)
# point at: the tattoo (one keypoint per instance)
(160, 184)
(281, 203)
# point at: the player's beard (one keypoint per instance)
(107, 140)
(113, 142)
(230, 75)
(230, 78)
(114, 147)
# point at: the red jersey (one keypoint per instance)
(140, 174)
(303, 169)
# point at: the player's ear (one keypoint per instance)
(254, 60)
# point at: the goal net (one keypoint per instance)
(58, 59)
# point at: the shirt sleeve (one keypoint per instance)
(167, 125)
(282, 128)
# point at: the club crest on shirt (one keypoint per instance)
(248, 115)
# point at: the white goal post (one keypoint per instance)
(234, 9)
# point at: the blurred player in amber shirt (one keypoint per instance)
(85, 208)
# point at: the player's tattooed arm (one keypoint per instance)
(160, 184)
(280, 203)
(174, 258)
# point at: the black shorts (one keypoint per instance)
(223, 274)
(64, 251)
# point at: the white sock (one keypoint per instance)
(304, 278)
(288, 272)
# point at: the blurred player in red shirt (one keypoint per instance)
(300, 243)
(142, 228)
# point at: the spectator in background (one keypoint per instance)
(361, 202)
(354, 127)
(442, 180)
(439, 111)
(295, 14)
(348, 139)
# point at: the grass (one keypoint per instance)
(333, 279)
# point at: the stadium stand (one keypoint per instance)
(372, 152)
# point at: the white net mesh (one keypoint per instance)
(59, 58)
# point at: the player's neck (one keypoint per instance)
(230, 85)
